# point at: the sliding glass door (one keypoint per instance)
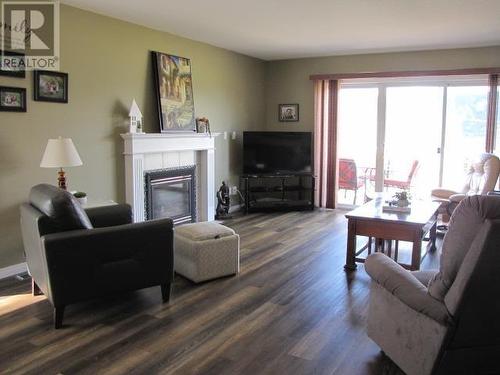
(465, 133)
(357, 149)
(412, 136)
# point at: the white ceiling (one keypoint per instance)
(281, 29)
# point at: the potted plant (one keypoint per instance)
(81, 197)
(401, 198)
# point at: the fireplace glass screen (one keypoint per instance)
(170, 193)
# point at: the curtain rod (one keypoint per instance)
(408, 73)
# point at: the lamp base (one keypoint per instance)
(62, 179)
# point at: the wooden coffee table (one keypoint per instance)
(369, 220)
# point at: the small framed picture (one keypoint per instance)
(50, 86)
(288, 112)
(12, 64)
(202, 125)
(12, 99)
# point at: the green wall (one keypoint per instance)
(287, 81)
(108, 63)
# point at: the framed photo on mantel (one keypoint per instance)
(174, 92)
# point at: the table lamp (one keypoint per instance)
(59, 153)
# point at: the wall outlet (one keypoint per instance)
(233, 190)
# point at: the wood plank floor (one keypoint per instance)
(291, 310)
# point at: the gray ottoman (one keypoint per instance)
(207, 250)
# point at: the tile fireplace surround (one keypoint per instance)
(148, 152)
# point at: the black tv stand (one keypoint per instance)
(277, 192)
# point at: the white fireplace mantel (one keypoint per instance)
(145, 152)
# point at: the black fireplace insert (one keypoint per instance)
(171, 193)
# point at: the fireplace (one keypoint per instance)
(158, 151)
(171, 193)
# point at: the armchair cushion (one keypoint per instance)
(406, 287)
(424, 276)
(465, 223)
(108, 216)
(457, 198)
(443, 193)
(483, 175)
(87, 263)
(60, 206)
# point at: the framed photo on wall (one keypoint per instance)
(12, 64)
(174, 92)
(12, 99)
(50, 86)
(288, 112)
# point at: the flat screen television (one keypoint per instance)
(267, 153)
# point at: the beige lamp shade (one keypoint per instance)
(60, 152)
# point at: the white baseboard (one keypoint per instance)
(13, 270)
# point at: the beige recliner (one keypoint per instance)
(481, 178)
(446, 321)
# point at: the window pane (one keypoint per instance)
(357, 145)
(412, 137)
(465, 132)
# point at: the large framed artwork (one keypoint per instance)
(174, 91)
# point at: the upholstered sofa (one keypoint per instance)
(75, 255)
(444, 321)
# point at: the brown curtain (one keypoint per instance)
(325, 141)
(492, 113)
